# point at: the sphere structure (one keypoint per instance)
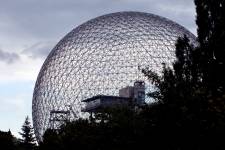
(102, 56)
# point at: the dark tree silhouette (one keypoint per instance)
(28, 139)
(192, 94)
(51, 140)
(7, 141)
(211, 36)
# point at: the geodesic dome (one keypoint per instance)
(102, 56)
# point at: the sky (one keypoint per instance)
(29, 29)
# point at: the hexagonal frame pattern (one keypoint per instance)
(100, 57)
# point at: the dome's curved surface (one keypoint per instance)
(100, 57)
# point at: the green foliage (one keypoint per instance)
(28, 140)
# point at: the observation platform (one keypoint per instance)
(130, 95)
(98, 102)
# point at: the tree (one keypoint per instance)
(51, 140)
(211, 36)
(178, 84)
(28, 139)
(116, 128)
(192, 94)
(7, 141)
(178, 102)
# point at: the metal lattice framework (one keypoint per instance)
(100, 57)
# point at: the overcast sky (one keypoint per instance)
(30, 28)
